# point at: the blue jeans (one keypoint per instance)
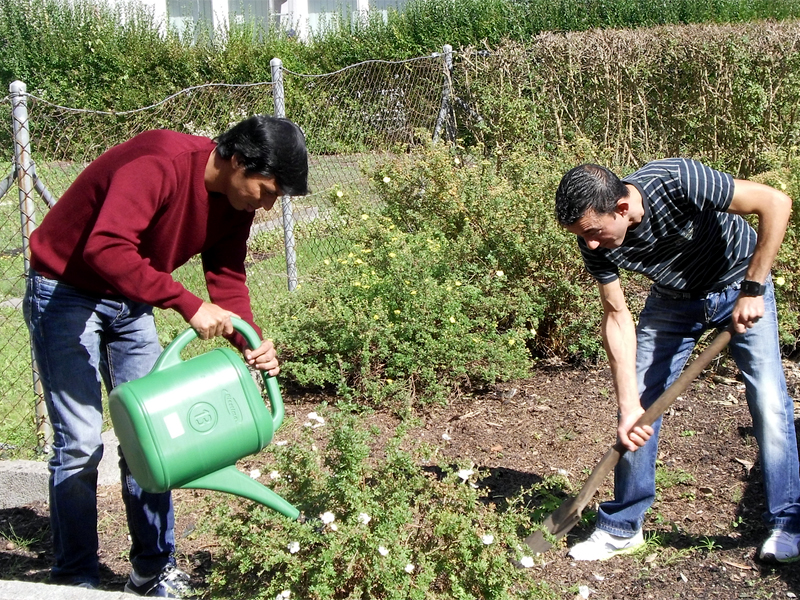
(81, 342)
(667, 332)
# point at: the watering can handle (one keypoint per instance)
(172, 356)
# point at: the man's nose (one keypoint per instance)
(268, 201)
(593, 244)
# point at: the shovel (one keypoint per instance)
(568, 514)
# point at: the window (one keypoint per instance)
(184, 14)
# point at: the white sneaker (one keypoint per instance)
(603, 545)
(781, 546)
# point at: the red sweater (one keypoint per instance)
(137, 213)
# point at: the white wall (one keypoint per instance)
(303, 16)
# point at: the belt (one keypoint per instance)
(671, 294)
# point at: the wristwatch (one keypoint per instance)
(752, 288)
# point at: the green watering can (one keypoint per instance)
(186, 423)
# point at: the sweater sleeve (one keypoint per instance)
(132, 202)
(225, 275)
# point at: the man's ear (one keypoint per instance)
(623, 206)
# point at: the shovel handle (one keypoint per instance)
(662, 403)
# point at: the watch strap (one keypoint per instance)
(752, 288)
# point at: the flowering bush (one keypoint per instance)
(373, 529)
(457, 278)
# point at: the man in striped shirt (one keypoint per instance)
(680, 223)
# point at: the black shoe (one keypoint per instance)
(170, 583)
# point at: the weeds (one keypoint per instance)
(23, 541)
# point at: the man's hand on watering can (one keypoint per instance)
(263, 358)
(211, 320)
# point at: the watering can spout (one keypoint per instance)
(186, 423)
(233, 481)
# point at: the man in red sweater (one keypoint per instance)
(100, 260)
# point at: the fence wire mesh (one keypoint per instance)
(352, 119)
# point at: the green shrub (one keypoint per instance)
(90, 54)
(399, 530)
(456, 279)
(786, 269)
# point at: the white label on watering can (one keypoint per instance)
(174, 425)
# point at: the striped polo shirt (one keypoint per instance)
(686, 241)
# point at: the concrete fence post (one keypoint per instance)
(287, 209)
(444, 120)
(23, 165)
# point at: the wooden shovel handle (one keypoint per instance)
(664, 401)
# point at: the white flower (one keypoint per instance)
(383, 551)
(583, 591)
(293, 547)
(255, 474)
(327, 517)
(364, 518)
(780, 281)
(464, 474)
(318, 421)
(409, 568)
(339, 194)
(334, 527)
(446, 437)
(487, 539)
(387, 179)
(499, 273)
(526, 561)
(274, 475)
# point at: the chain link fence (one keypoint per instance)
(353, 119)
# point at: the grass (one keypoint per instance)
(17, 429)
(668, 478)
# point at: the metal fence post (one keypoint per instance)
(23, 164)
(278, 99)
(443, 120)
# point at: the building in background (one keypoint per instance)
(302, 16)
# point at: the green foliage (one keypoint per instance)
(699, 91)
(786, 269)
(90, 54)
(667, 478)
(455, 279)
(398, 530)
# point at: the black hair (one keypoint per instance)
(269, 146)
(587, 187)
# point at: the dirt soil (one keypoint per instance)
(704, 527)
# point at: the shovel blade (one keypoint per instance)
(568, 514)
(555, 526)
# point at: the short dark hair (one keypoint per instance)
(587, 187)
(269, 146)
